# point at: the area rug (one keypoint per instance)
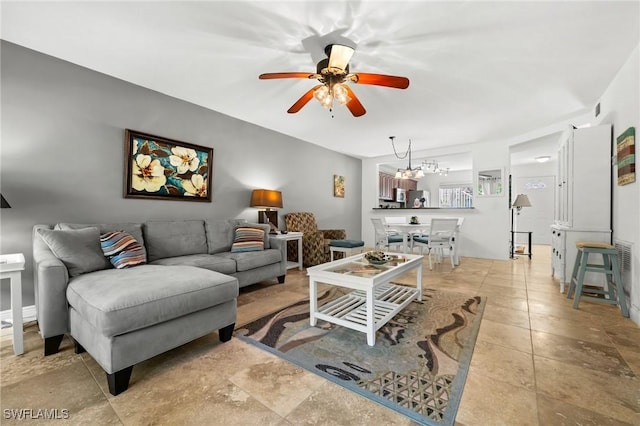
(417, 367)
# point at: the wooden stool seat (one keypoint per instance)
(613, 291)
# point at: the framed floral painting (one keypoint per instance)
(166, 169)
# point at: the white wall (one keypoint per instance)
(620, 106)
(62, 156)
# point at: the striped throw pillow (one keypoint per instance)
(122, 249)
(248, 239)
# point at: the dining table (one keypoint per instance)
(409, 230)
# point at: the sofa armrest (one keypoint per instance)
(282, 246)
(50, 281)
(334, 234)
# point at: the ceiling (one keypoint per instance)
(479, 71)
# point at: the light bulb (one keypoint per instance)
(340, 94)
(419, 173)
(321, 93)
(327, 102)
(398, 174)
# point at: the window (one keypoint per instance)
(456, 195)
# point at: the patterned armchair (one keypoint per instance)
(315, 242)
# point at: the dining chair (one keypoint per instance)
(385, 238)
(441, 236)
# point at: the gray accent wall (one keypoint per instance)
(62, 156)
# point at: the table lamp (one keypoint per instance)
(266, 200)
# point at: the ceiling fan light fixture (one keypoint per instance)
(340, 94)
(321, 93)
(332, 72)
(339, 56)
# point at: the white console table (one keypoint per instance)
(11, 267)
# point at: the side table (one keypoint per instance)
(11, 267)
(513, 243)
(291, 236)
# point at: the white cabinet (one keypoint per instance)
(584, 178)
(564, 251)
(583, 202)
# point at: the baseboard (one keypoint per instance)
(28, 314)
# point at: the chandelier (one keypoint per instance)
(431, 166)
(409, 172)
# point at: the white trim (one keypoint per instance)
(28, 314)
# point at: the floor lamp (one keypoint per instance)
(521, 201)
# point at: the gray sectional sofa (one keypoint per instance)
(187, 288)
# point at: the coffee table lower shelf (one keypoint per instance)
(351, 309)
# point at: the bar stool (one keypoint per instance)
(609, 268)
(348, 247)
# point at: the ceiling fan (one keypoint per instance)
(333, 74)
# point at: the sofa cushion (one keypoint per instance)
(122, 249)
(207, 261)
(248, 239)
(220, 233)
(246, 261)
(78, 249)
(119, 301)
(134, 229)
(174, 238)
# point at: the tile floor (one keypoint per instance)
(537, 361)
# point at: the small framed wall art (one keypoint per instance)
(166, 169)
(626, 154)
(338, 186)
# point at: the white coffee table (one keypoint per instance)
(374, 301)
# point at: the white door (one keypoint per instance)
(539, 217)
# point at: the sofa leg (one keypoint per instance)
(52, 344)
(225, 333)
(119, 381)
(78, 349)
(281, 279)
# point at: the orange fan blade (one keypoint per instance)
(381, 80)
(354, 104)
(271, 75)
(303, 100)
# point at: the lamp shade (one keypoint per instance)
(3, 203)
(266, 199)
(521, 201)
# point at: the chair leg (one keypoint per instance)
(619, 289)
(580, 280)
(574, 274)
(609, 278)
(430, 262)
(451, 257)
